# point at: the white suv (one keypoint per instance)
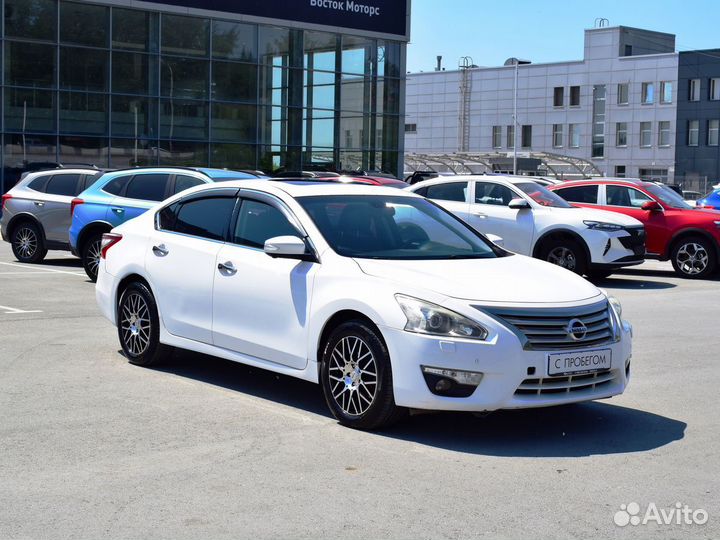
(386, 300)
(534, 221)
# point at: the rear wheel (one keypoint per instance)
(356, 378)
(693, 257)
(91, 255)
(564, 252)
(138, 326)
(27, 243)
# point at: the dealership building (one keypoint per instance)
(632, 106)
(277, 84)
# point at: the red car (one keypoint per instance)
(689, 237)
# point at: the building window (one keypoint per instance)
(654, 175)
(598, 121)
(557, 135)
(648, 93)
(666, 92)
(526, 137)
(715, 89)
(510, 139)
(693, 132)
(623, 94)
(410, 128)
(621, 134)
(664, 133)
(713, 132)
(573, 136)
(645, 134)
(694, 90)
(574, 96)
(619, 171)
(497, 136)
(559, 96)
(628, 50)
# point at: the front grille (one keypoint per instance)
(564, 385)
(636, 241)
(547, 328)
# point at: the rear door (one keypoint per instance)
(490, 213)
(453, 196)
(53, 208)
(143, 191)
(181, 260)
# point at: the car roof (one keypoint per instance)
(308, 187)
(470, 177)
(605, 180)
(206, 171)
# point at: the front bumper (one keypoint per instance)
(512, 376)
(615, 249)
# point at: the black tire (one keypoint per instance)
(28, 243)
(138, 326)
(599, 274)
(693, 257)
(565, 252)
(352, 401)
(90, 255)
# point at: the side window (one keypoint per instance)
(258, 222)
(39, 183)
(491, 193)
(166, 217)
(116, 185)
(453, 191)
(89, 180)
(147, 187)
(183, 182)
(422, 191)
(625, 196)
(63, 184)
(579, 194)
(207, 218)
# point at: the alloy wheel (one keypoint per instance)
(27, 242)
(135, 323)
(692, 258)
(353, 375)
(93, 256)
(562, 256)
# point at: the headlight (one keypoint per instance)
(426, 318)
(615, 303)
(602, 226)
(717, 224)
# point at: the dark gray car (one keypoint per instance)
(36, 212)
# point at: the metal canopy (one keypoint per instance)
(531, 163)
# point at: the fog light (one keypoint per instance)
(451, 382)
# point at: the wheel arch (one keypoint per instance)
(127, 280)
(88, 230)
(561, 233)
(335, 320)
(686, 233)
(23, 217)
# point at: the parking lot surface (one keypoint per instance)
(93, 447)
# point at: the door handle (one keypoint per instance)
(480, 215)
(160, 250)
(39, 203)
(228, 267)
(118, 210)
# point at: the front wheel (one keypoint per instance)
(693, 257)
(566, 253)
(138, 326)
(356, 378)
(91, 255)
(27, 243)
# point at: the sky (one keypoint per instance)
(544, 30)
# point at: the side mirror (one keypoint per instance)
(518, 204)
(495, 239)
(287, 247)
(652, 206)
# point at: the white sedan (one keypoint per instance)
(535, 221)
(383, 298)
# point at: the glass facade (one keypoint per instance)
(117, 87)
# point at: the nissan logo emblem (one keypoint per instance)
(576, 329)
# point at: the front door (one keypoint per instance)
(261, 304)
(490, 213)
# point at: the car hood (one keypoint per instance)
(590, 214)
(514, 279)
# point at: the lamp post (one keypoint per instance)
(515, 91)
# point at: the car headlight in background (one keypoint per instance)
(602, 226)
(427, 318)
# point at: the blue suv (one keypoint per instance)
(121, 195)
(710, 201)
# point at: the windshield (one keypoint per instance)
(667, 196)
(542, 195)
(392, 227)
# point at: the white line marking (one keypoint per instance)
(28, 273)
(40, 268)
(13, 311)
